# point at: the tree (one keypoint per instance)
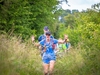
(17, 16)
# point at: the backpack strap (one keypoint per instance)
(41, 37)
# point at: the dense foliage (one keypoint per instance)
(27, 17)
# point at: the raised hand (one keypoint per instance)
(33, 38)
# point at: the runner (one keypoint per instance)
(43, 36)
(48, 56)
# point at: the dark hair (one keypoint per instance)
(48, 33)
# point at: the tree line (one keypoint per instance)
(26, 17)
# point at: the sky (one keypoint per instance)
(79, 4)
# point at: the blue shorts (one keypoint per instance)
(47, 57)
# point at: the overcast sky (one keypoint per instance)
(79, 4)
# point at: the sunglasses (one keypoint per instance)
(48, 34)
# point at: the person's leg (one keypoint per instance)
(51, 66)
(46, 68)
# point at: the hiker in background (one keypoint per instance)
(62, 46)
(43, 36)
(67, 42)
(48, 56)
(68, 45)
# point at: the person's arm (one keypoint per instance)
(33, 41)
(61, 41)
(51, 37)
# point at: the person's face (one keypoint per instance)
(48, 37)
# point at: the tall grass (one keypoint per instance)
(17, 58)
(79, 61)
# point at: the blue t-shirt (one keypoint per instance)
(41, 37)
(49, 45)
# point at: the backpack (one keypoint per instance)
(43, 47)
(52, 43)
(41, 37)
(68, 45)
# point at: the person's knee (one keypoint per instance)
(52, 63)
(46, 68)
(50, 70)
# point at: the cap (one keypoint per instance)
(46, 28)
(48, 33)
